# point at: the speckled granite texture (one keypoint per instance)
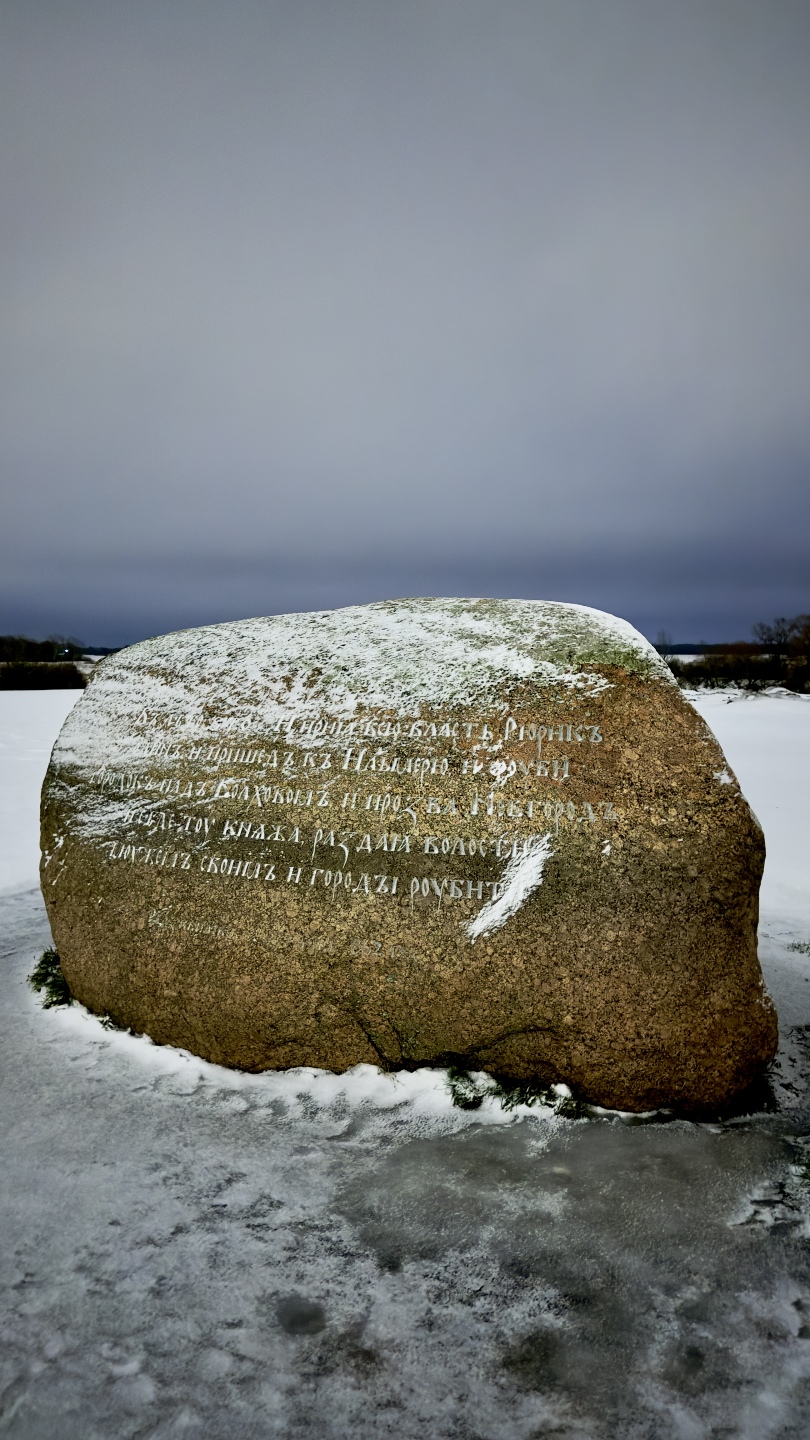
(490, 833)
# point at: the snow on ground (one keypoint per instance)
(30, 721)
(192, 1252)
(766, 738)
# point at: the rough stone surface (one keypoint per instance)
(485, 832)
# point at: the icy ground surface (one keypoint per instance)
(191, 1252)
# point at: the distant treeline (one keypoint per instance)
(40, 664)
(41, 675)
(780, 655)
(14, 648)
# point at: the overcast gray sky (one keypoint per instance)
(315, 302)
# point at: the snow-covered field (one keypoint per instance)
(193, 1252)
(30, 721)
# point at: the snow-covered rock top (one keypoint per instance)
(397, 655)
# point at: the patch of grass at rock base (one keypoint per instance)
(47, 976)
(468, 1091)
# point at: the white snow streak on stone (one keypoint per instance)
(520, 878)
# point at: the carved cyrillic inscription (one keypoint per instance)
(309, 790)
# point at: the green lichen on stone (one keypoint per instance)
(550, 631)
(545, 631)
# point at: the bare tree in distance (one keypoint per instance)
(781, 658)
(784, 635)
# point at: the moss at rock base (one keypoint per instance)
(47, 976)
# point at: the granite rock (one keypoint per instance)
(483, 832)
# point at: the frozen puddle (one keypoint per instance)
(193, 1252)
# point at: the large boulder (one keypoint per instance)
(486, 832)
